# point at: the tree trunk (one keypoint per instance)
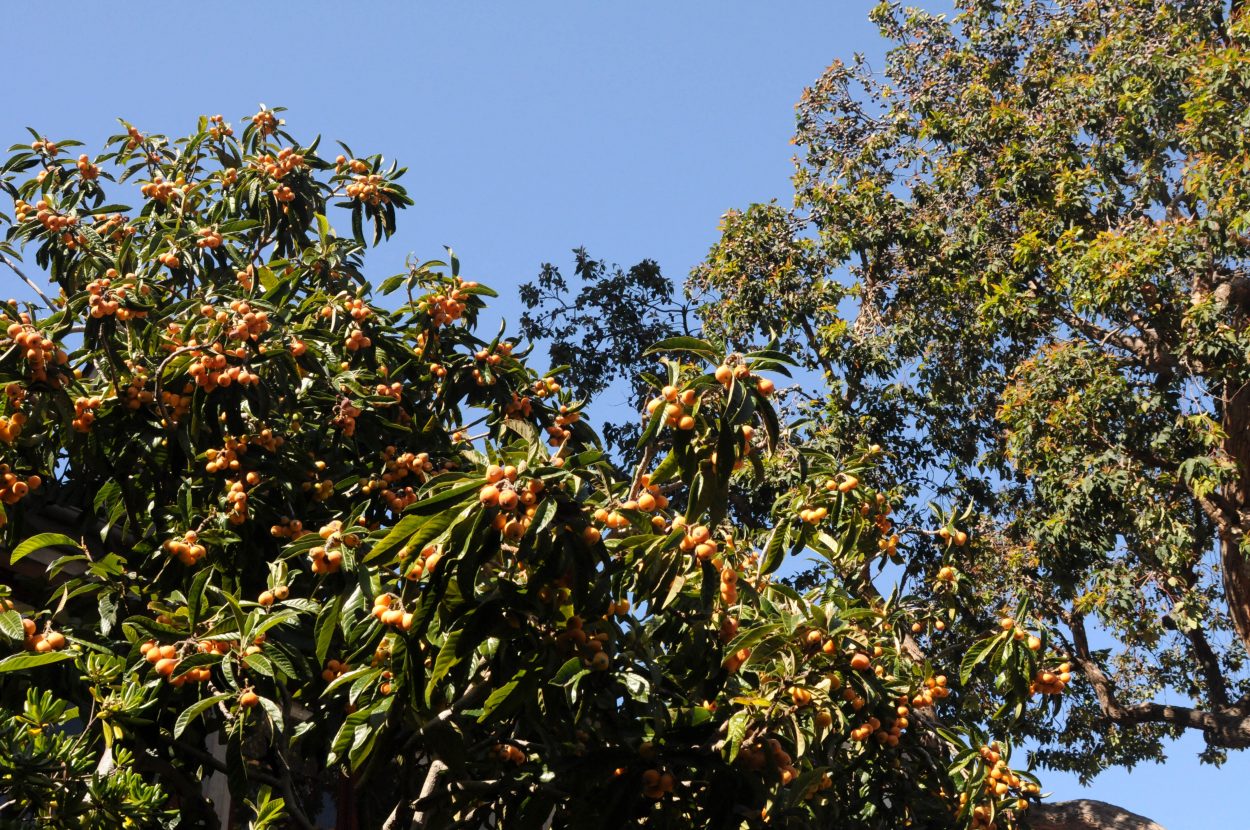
(1084, 814)
(1234, 563)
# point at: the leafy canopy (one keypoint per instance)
(273, 536)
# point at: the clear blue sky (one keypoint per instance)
(528, 129)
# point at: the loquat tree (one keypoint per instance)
(280, 553)
(1018, 257)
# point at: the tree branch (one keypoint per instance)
(1225, 727)
(27, 280)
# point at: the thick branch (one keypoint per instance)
(1225, 727)
(432, 778)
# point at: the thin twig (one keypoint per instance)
(27, 280)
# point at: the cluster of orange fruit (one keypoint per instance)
(726, 374)
(590, 646)
(248, 323)
(11, 426)
(354, 165)
(39, 351)
(51, 220)
(729, 585)
(187, 549)
(959, 537)
(357, 340)
(1048, 682)
(935, 689)
(277, 594)
(226, 458)
(656, 784)
(519, 407)
(212, 371)
(113, 226)
(448, 306)
(86, 169)
(219, 129)
(170, 259)
(756, 756)
(47, 147)
(517, 503)
(814, 515)
(425, 563)
(165, 659)
(41, 643)
(334, 669)
(236, 496)
(345, 415)
(284, 194)
(162, 191)
(391, 613)
(208, 238)
(508, 754)
(394, 391)
(135, 393)
(328, 558)
(266, 122)
(370, 189)
(677, 405)
(546, 387)
(494, 358)
(398, 468)
(277, 167)
(177, 404)
(287, 528)
(734, 661)
(889, 735)
(133, 138)
(84, 413)
(102, 301)
(999, 782)
(697, 540)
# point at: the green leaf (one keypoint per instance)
(18, 662)
(40, 541)
(274, 713)
(11, 625)
(398, 534)
(448, 657)
(693, 345)
(774, 551)
(500, 696)
(196, 709)
(735, 732)
(323, 631)
(976, 655)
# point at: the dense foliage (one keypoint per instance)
(354, 564)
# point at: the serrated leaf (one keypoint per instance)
(40, 541)
(195, 710)
(18, 662)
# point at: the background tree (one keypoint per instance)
(276, 546)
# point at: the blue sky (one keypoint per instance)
(528, 129)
